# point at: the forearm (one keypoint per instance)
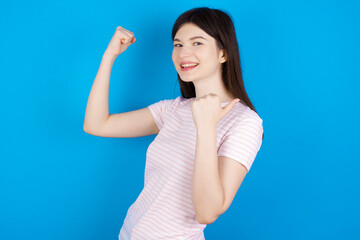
(207, 191)
(97, 109)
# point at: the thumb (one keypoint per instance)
(228, 107)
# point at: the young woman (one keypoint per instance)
(207, 139)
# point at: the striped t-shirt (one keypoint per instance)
(164, 208)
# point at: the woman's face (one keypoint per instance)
(196, 48)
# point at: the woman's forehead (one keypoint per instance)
(190, 30)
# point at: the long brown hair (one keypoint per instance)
(218, 25)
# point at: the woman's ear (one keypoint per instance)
(222, 56)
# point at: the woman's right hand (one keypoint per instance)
(120, 41)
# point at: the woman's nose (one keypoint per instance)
(184, 52)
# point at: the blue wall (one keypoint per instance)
(300, 63)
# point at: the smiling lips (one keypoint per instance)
(186, 66)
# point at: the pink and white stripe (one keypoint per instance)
(164, 208)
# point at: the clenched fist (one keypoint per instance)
(120, 41)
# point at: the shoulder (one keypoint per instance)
(178, 101)
(167, 101)
(166, 104)
(243, 117)
(243, 112)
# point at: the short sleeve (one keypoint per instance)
(243, 141)
(158, 111)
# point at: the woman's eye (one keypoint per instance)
(196, 43)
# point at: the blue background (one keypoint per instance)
(300, 62)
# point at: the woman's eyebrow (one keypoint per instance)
(190, 38)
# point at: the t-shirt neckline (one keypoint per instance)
(222, 104)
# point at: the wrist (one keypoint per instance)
(206, 129)
(109, 55)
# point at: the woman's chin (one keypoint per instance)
(187, 79)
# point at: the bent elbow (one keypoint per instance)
(205, 220)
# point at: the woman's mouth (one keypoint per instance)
(188, 66)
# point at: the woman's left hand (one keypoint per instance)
(207, 110)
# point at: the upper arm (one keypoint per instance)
(136, 123)
(232, 174)
(236, 156)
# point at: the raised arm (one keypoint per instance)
(97, 119)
